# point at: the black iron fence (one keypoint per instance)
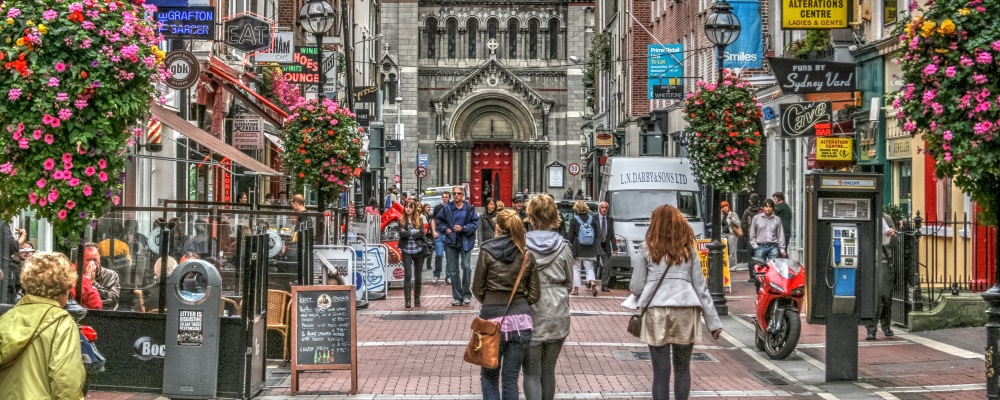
(941, 257)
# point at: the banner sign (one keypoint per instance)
(248, 134)
(362, 115)
(746, 51)
(247, 32)
(806, 119)
(303, 69)
(366, 94)
(834, 149)
(197, 23)
(813, 14)
(665, 66)
(807, 76)
(281, 49)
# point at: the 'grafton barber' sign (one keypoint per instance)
(805, 119)
(806, 76)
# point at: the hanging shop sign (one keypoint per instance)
(363, 116)
(665, 66)
(248, 133)
(834, 149)
(807, 76)
(604, 140)
(747, 50)
(814, 14)
(303, 70)
(806, 119)
(196, 23)
(184, 69)
(366, 94)
(248, 32)
(282, 49)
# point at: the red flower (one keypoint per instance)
(75, 17)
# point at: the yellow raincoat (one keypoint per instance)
(49, 366)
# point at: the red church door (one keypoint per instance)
(492, 172)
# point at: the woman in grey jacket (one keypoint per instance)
(554, 264)
(671, 321)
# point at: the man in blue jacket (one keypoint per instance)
(458, 223)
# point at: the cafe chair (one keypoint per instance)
(278, 313)
(232, 305)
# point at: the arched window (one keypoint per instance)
(432, 27)
(473, 26)
(553, 39)
(390, 86)
(491, 28)
(512, 27)
(452, 37)
(533, 39)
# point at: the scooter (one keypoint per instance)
(781, 284)
(93, 360)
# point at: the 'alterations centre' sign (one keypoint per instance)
(814, 14)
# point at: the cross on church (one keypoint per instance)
(492, 45)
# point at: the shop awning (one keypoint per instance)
(175, 122)
(222, 74)
(276, 140)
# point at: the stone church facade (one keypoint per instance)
(488, 89)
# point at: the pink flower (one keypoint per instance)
(80, 104)
(947, 135)
(65, 113)
(62, 96)
(90, 171)
(14, 94)
(53, 196)
(37, 134)
(33, 198)
(49, 138)
(53, 82)
(70, 204)
(59, 67)
(979, 78)
(40, 183)
(75, 7)
(103, 176)
(984, 57)
(67, 158)
(62, 214)
(115, 200)
(42, 202)
(950, 71)
(73, 182)
(49, 164)
(54, 122)
(102, 164)
(49, 15)
(59, 175)
(87, 190)
(13, 13)
(930, 69)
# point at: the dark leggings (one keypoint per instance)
(661, 371)
(540, 370)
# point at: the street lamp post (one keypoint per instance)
(722, 28)
(318, 17)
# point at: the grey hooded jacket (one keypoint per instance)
(554, 265)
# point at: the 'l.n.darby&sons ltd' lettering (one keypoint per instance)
(653, 177)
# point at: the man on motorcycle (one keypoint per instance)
(767, 237)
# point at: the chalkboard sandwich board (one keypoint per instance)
(324, 333)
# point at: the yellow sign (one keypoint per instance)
(814, 14)
(834, 149)
(604, 140)
(703, 257)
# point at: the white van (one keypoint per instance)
(634, 187)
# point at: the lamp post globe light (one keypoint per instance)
(318, 17)
(722, 28)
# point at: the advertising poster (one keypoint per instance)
(665, 66)
(702, 247)
(747, 51)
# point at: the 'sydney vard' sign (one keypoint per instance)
(806, 76)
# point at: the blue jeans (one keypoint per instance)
(438, 255)
(460, 289)
(513, 351)
(766, 251)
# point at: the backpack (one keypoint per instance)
(586, 233)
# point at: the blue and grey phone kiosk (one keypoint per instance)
(843, 234)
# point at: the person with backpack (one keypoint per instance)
(586, 249)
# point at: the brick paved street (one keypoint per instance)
(417, 354)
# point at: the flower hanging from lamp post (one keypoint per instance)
(722, 28)
(318, 17)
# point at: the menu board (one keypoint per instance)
(324, 335)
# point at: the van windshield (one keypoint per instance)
(638, 205)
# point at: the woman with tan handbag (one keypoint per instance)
(670, 285)
(506, 284)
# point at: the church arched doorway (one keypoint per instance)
(492, 172)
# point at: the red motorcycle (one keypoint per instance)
(781, 284)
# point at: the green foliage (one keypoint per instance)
(724, 142)
(951, 79)
(815, 41)
(75, 80)
(322, 145)
(599, 59)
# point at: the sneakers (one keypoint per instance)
(456, 303)
(435, 281)
(467, 302)
(447, 281)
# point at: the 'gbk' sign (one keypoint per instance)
(247, 32)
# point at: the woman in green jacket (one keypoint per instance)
(40, 343)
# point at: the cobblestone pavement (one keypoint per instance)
(417, 354)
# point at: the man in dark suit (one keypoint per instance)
(606, 232)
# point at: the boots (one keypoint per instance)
(407, 303)
(871, 334)
(416, 296)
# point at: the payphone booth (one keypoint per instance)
(843, 223)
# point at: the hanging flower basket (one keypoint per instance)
(323, 145)
(76, 78)
(723, 140)
(949, 93)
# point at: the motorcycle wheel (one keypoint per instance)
(780, 346)
(756, 337)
